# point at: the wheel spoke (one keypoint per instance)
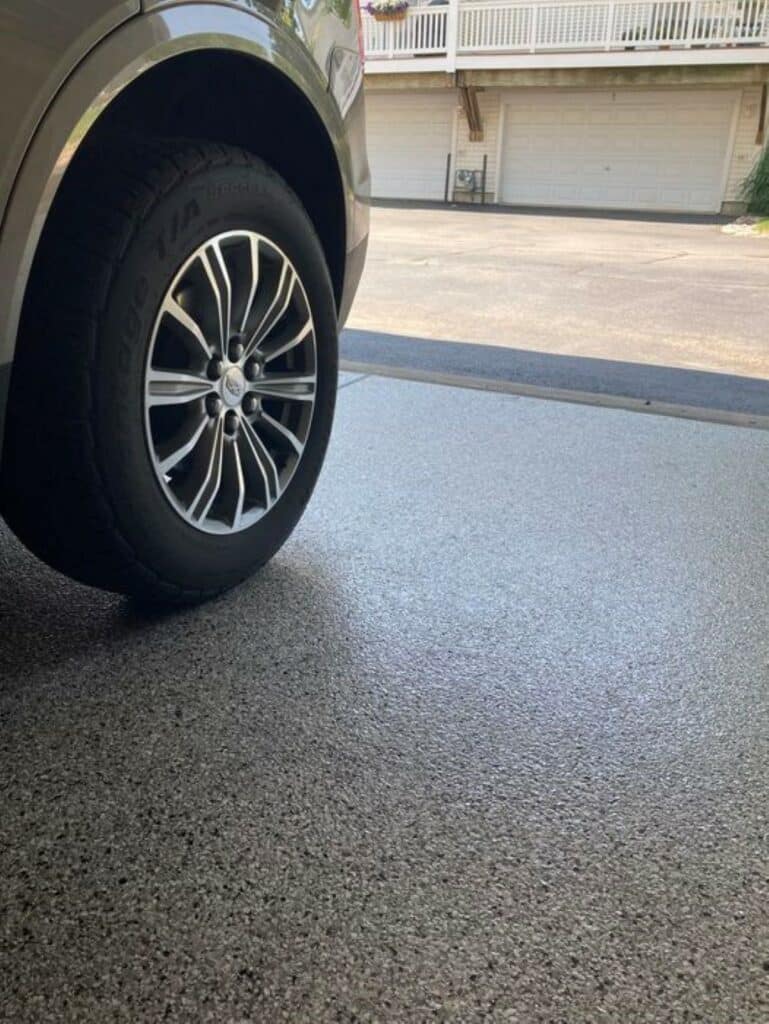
(264, 463)
(227, 296)
(297, 339)
(238, 513)
(183, 318)
(295, 387)
(176, 450)
(254, 254)
(212, 478)
(276, 309)
(171, 387)
(283, 430)
(222, 291)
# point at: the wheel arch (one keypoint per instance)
(241, 54)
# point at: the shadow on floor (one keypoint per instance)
(52, 627)
(607, 378)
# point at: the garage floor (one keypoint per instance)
(489, 740)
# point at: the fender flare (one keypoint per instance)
(135, 47)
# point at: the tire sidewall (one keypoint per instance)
(205, 204)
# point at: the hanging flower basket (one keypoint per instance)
(388, 10)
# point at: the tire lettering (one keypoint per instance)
(133, 323)
(140, 292)
(178, 225)
(190, 210)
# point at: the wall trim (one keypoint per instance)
(595, 77)
(730, 145)
(498, 165)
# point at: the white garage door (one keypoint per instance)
(628, 149)
(409, 137)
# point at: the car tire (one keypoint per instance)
(84, 482)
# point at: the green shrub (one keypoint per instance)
(756, 187)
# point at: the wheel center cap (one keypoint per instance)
(233, 386)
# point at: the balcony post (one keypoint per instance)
(533, 28)
(608, 40)
(452, 34)
(691, 21)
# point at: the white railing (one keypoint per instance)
(487, 26)
(422, 31)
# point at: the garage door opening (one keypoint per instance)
(409, 138)
(625, 149)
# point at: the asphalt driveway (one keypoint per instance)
(568, 300)
(488, 741)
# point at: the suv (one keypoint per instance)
(183, 190)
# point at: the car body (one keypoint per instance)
(66, 66)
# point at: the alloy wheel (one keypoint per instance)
(230, 382)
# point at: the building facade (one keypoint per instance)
(612, 104)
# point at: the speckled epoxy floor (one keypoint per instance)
(488, 741)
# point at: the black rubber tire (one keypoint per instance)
(77, 485)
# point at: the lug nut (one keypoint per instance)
(236, 348)
(250, 404)
(231, 423)
(215, 369)
(253, 369)
(213, 405)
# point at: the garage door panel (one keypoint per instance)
(409, 137)
(632, 149)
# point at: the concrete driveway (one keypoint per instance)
(667, 292)
(488, 741)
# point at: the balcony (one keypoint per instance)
(457, 34)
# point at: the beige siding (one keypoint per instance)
(470, 155)
(745, 148)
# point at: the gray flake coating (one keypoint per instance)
(486, 741)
